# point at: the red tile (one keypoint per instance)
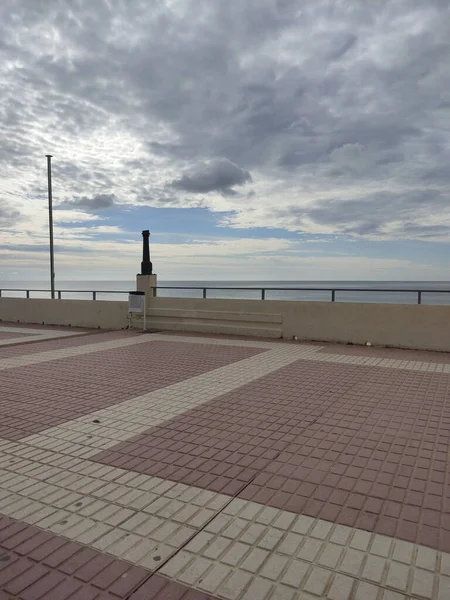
(25, 579)
(59, 554)
(42, 588)
(77, 560)
(48, 548)
(92, 568)
(150, 589)
(14, 569)
(129, 581)
(110, 574)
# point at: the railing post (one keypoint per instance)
(28, 293)
(0, 293)
(263, 294)
(333, 295)
(59, 294)
(154, 292)
(94, 295)
(419, 297)
(204, 292)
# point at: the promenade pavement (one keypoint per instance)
(156, 466)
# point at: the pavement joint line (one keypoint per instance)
(231, 498)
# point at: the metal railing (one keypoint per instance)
(61, 292)
(332, 291)
(261, 290)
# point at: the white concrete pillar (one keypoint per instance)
(146, 283)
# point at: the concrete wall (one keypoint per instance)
(398, 325)
(78, 313)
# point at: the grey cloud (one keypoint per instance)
(8, 215)
(340, 94)
(97, 202)
(214, 176)
(374, 215)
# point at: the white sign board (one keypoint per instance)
(136, 304)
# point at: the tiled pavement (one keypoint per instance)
(157, 466)
(16, 335)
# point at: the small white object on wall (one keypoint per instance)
(136, 304)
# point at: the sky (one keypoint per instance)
(255, 139)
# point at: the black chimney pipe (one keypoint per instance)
(146, 265)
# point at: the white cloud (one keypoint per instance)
(319, 117)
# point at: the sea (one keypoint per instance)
(433, 292)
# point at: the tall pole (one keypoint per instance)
(50, 223)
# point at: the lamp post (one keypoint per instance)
(50, 223)
(146, 265)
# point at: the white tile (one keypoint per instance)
(271, 538)
(253, 533)
(283, 592)
(267, 515)
(195, 570)
(403, 551)
(140, 550)
(217, 547)
(445, 564)
(156, 557)
(295, 573)
(234, 529)
(284, 520)
(423, 583)
(426, 558)
(201, 517)
(352, 562)
(321, 530)
(213, 579)
(259, 588)
(124, 544)
(360, 540)
(118, 517)
(235, 585)
(180, 537)
(398, 576)
(254, 560)
(341, 588)
(444, 588)
(234, 555)
(290, 544)
(273, 567)
(93, 533)
(374, 568)
(317, 581)
(390, 595)
(107, 540)
(164, 532)
(199, 542)
(381, 545)
(310, 549)
(77, 528)
(367, 591)
(331, 555)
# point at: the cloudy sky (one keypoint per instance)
(256, 139)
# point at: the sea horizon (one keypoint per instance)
(366, 290)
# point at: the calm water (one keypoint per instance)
(367, 293)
